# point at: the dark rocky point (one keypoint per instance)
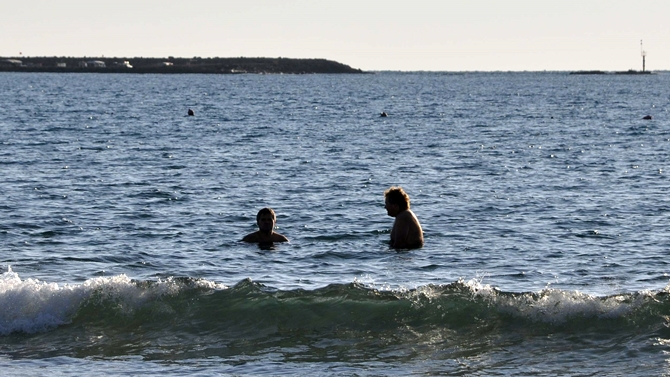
(173, 65)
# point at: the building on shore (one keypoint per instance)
(95, 64)
(11, 63)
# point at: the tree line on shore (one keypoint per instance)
(174, 65)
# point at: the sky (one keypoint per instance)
(372, 35)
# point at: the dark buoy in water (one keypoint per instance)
(383, 114)
(647, 117)
(190, 112)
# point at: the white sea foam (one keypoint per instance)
(558, 306)
(32, 305)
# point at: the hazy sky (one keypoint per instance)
(412, 35)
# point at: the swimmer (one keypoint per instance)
(406, 232)
(265, 219)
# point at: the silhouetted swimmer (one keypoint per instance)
(383, 114)
(265, 234)
(647, 117)
(406, 232)
(190, 112)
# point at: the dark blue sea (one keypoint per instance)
(543, 198)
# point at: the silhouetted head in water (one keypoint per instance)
(190, 112)
(647, 117)
(265, 234)
(383, 114)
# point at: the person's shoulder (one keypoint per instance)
(410, 214)
(277, 237)
(251, 237)
(410, 211)
(408, 219)
(406, 215)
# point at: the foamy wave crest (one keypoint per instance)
(556, 307)
(32, 305)
(191, 306)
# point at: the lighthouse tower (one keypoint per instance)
(644, 55)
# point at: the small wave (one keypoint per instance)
(177, 318)
(33, 306)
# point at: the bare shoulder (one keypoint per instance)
(258, 237)
(276, 237)
(407, 217)
(252, 237)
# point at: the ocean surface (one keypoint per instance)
(543, 198)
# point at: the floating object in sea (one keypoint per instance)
(190, 112)
(383, 114)
(647, 117)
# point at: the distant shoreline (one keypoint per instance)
(629, 72)
(173, 65)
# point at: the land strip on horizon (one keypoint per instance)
(173, 65)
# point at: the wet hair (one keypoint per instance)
(265, 211)
(398, 196)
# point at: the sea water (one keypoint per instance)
(543, 198)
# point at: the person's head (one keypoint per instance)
(396, 201)
(266, 220)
